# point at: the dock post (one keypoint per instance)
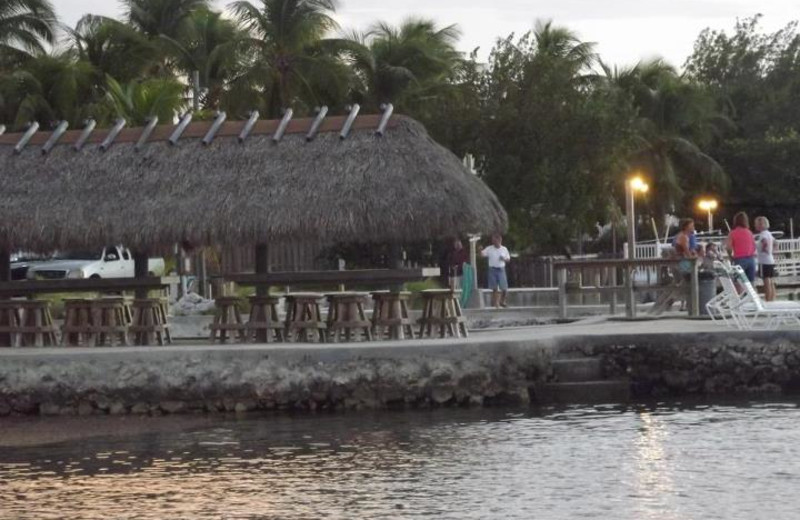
(561, 274)
(695, 291)
(613, 283)
(5, 265)
(630, 297)
(262, 267)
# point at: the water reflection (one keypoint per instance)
(601, 462)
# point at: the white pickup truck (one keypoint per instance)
(110, 262)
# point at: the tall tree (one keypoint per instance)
(208, 43)
(287, 52)
(552, 144)
(137, 101)
(676, 120)
(24, 26)
(403, 64)
(161, 17)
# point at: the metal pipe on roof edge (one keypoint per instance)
(348, 124)
(87, 131)
(248, 126)
(287, 116)
(388, 108)
(112, 134)
(2, 129)
(209, 137)
(34, 126)
(55, 136)
(182, 124)
(321, 113)
(152, 121)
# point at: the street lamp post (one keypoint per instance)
(708, 205)
(632, 185)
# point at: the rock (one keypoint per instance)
(85, 408)
(140, 408)
(173, 406)
(49, 409)
(441, 394)
(116, 408)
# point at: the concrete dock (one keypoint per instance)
(589, 360)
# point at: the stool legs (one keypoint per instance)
(9, 324)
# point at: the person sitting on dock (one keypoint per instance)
(498, 255)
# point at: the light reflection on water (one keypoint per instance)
(604, 462)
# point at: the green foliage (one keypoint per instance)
(137, 102)
(24, 26)
(552, 143)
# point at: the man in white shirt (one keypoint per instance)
(498, 282)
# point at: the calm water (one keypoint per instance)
(665, 462)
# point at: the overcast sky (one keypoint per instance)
(624, 30)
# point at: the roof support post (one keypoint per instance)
(87, 131)
(248, 126)
(152, 121)
(387, 113)
(2, 129)
(5, 264)
(34, 126)
(176, 134)
(140, 261)
(55, 136)
(112, 134)
(287, 116)
(262, 267)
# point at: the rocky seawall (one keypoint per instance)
(479, 371)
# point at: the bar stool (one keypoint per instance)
(346, 316)
(390, 319)
(10, 335)
(264, 326)
(77, 328)
(148, 324)
(164, 307)
(441, 309)
(304, 318)
(37, 329)
(109, 323)
(228, 318)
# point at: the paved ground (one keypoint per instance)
(596, 326)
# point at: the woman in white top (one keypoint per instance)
(765, 245)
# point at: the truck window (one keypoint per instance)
(111, 255)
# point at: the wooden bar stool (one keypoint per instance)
(228, 319)
(109, 323)
(37, 329)
(441, 309)
(164, 308)
(264, 325)
(304, 318)
(10, 323)
(148, 324)
(77, 328)
(390, 319)
(346, 317)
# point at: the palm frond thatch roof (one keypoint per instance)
(399, 187)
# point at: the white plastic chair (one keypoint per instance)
(754, 313)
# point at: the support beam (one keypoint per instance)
(262, 267)
(140, 261)
(5, 265)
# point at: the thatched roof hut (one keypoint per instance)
(397, 187)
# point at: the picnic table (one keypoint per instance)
(34, 287)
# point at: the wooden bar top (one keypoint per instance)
(355, 276)
(30, 287)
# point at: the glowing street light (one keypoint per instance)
(632, 186)
(708, 205)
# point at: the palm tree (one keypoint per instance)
(24, 26)
(112, 48)
(397, 64)
(677, 118)
(561, 44)
(138, 101)
(208, 43)
(288, 58)
(161, 17)
(48, 88)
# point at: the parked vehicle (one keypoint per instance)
(109, 262)
(21, 261)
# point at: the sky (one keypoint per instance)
(625, 31)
